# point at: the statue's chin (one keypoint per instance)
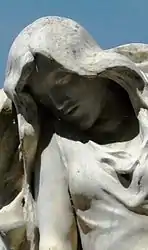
(107, 126)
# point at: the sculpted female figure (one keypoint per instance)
(82, 123)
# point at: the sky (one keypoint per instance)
(110, 22)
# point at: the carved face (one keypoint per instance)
(78, 100)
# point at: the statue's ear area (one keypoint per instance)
(26, 72)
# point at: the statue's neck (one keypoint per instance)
(117, 122)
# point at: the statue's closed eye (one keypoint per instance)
(63, 78)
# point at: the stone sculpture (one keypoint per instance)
(73, 142)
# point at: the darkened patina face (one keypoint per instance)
(84, 101)
(97, 105)
(73, 98)
(78, 100)
(81, 100)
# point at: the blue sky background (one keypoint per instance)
(111, 22)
